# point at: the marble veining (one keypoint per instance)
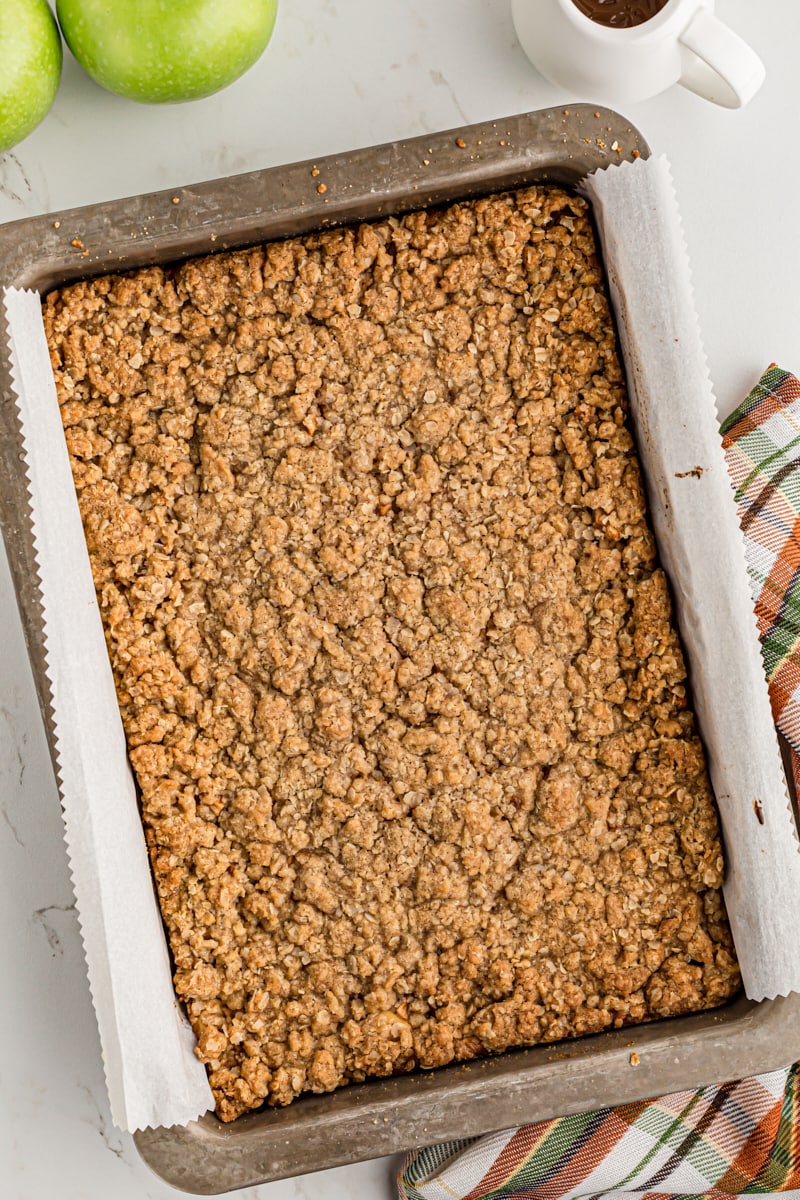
(14, 183)
(48, 919)
(438, 80)
(339, 74)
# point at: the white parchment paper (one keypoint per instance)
(153, 1077)
(701, 548)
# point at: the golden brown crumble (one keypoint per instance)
(394, 656)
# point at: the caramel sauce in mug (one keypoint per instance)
(620, 14)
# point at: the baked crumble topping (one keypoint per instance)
(395, 659)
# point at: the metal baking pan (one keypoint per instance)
(383, 1116)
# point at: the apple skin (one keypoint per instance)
(30, 67)
(166, 51)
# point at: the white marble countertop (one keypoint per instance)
(338, 74)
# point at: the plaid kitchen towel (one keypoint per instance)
(732, 1139)
(717, 1142)
(762, 447)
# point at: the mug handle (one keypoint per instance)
(717, 64)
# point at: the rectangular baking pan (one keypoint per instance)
(382, 1116)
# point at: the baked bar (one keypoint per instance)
(395, 659)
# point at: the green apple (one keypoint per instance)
(160, 51)
(30, 67)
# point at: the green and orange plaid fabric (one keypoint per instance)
(721, 1141)
(733, 1139)
(762, 448)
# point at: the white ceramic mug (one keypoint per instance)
(682, 43)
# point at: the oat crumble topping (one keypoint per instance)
(395, 659)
